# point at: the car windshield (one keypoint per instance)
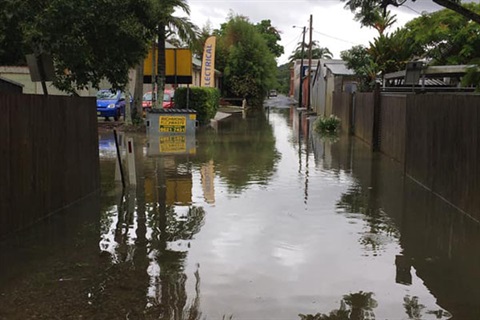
(106, 95)
(166, 97)
(147, 96)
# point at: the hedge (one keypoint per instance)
(202, 99)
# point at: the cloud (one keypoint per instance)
(333, 25)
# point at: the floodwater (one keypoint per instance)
(253, 220)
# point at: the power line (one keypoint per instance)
(335, 38)
(408, 7)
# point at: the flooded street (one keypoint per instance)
(249, 221)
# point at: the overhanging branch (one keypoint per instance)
(457, 7)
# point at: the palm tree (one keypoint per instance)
(317, 52)
(383, 20)
(167, 25)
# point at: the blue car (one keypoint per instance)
(110, 104)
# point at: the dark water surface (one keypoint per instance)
(251, 221)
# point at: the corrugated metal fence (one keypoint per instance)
(48, 156)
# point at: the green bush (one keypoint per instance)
(327, 125)
(202, 99)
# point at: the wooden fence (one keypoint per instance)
(442, 147)
(342, 108)
(434, 136)
(48, 156)
(363, 120)
(392, 126)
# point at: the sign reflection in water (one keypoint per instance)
(255, 224)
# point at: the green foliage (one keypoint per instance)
(358, 58)
(392, 51)
(12, 51)
(167, 24)
(283, 78)
(446, 37)
(249, 66)
(87, 40)
(202, 99)
(197, 46)
(364, 10)
(271, 36)
(472, 77)
(387, 53)
(327, 125)
(317, 52)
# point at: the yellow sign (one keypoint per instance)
(148, 63)
(208, 63)
(173, 144)
(178, 65)
(178, 62)
(175, 124)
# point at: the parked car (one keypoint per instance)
(167, 103)
(272, 93)
(110, 104)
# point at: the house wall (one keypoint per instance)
(331, 85)
(22, 75)
(48, 156)
(319, 91)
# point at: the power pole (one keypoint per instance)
(300, 94)
(309, 107)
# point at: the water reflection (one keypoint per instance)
(353, 306)
(147, 238)
(257, 223)
(243, 150)
(437, 241)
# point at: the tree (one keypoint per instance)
(444, 37)
(12, 50)
(250, 67)
(167, 24)
(86, 46)
(382, 21)
(365, 8)
(317, 52)
(359, 59)
(271, 36)
(198, 45)
(283, 78)
(387, 53)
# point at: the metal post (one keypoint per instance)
(119, 158)
(154, 91)
(309, 107)
(41, 71)
(300, 94)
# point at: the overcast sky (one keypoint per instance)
(333, 26)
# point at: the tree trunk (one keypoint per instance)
(128, 108)
(160, 65)
(138, 92)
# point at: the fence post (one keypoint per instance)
(376, 118)
(351, 105)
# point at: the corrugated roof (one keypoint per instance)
(339, 68)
